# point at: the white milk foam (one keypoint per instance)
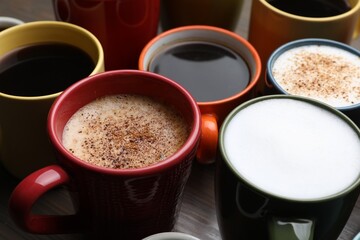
(293, 149)
(325, 73)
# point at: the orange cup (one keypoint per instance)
(219, 51)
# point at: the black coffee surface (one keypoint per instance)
(312, 8)
(42, 69)
(208, 71)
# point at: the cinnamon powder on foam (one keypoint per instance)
(125, 131)
(325, 73)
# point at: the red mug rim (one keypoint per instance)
(174, 159)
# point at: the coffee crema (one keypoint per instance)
(322, 72)
(209, 71)
(302, 152)
(125, 131)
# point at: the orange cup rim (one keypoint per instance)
(254, 78)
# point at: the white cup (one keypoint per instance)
(171, 236)
(6, 22)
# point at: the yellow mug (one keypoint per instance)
(271, 27)
(24, 145)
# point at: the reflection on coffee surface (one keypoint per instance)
(42, 69)
(208, 71)
(325, 73)
(125, 131)
(312, 8)
(302, 152)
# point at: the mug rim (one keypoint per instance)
(254, 79)
(59, 25)
(170, 161)
(307, 42)
(346, 14)
(311, 101)
(171, 235)
(10, 21)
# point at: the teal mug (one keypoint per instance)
(288, 168)
(357, 237)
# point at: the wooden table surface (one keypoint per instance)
(197, 216)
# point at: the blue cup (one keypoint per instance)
(307, 77)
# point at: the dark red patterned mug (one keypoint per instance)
(112, 203)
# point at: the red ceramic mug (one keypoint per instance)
(122, 26)
(112, 203)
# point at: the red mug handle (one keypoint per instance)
(28, 191)
(206, 152)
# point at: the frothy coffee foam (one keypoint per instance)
(124, 131)
(293, 149)
(325, 73)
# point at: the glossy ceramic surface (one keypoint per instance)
(272, 87)
(171, 236)
(6, 22)
(131, 203)
(213, 112)
(269, 28)
(123, 27)
(177, 13)
(25, 146)
(246, 212)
